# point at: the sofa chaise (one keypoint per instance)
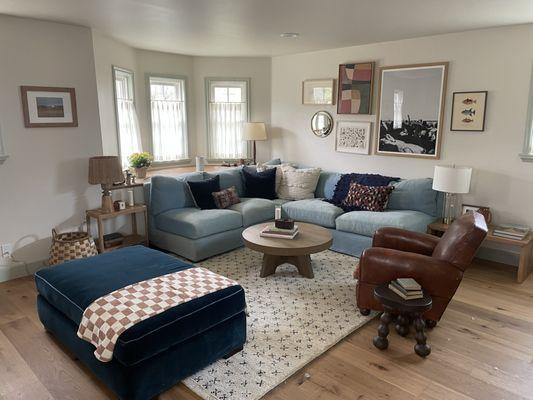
(176, 225)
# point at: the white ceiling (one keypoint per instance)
(252, 27)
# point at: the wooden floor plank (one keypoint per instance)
(482, 350)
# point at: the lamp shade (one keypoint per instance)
(105, 170)
(254, 131)
(451, 179)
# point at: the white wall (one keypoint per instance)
(44, 181)
(497, 60)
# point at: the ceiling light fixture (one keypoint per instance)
(290, 35)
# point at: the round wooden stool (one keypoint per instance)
(407, 311)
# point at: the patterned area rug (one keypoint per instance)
(292, 320)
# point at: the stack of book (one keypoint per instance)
(406, 288)
(508, 231)
(273, 232)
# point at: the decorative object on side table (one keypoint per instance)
(140, 162)
(468, 111)
(128, 240)
(353, 137)
(254, 131)
(318, 91)
(485, 211)
(105, 171)
(322, 123)
(451, 180)
(411, 128)
(406, 310)
(49, 107)
(70, 246)
(356, 83)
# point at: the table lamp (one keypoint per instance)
(105, 170)
(254, 131)
(451, 180)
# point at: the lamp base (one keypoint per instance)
(449, 208)
(107, 203)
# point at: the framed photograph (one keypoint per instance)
(353, 137)
(468, 111)
(485, 211)
(356, 82)
(411, 110)
(48, 106)
(318, 91)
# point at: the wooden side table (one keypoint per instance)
(129, 240)
(525, 245)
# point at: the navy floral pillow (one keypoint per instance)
(368, 198)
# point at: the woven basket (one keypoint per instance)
(70, 246)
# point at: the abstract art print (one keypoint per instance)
(356, 83)
(353, 137)
(411, 110)
(468, 111)
(48, 106)
(318, 91)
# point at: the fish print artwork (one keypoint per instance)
(468, 111)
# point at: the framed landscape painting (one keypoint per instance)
(353, 137)
(48, 106)
(468, 111)
(356, 82)
(318, 91)
(411, 110)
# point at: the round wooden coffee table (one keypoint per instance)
(310, 239)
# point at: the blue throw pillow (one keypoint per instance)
(260, 184)
(202, 192)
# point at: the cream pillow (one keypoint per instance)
(298, 184)
(279, 173)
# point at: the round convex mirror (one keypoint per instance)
(322, 123)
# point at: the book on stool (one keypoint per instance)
(406, 288)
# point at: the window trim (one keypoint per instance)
(207, 84)
(184, 161)
(527, 151)
(114, 69)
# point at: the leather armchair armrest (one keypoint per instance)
(437, 277)
(400, 239)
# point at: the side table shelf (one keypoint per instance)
(129, 240)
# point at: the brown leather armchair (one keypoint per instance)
(436, 263)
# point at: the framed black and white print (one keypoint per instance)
(468, 111)
(353, 137)
(48, 106)
(411, 110)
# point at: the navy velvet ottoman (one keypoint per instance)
(156, 353)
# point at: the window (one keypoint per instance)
(169, 118)
(129, 137)
(227, 105)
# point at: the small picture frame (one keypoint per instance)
(318, 92)
(485, 211)
(468, 111)
(44, 107)
(470, 207)
(353, 137)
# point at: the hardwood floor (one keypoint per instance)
(482, 349)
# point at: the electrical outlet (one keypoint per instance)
(7, 249)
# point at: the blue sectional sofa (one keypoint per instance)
(176, 225)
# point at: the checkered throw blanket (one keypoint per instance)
(109, 316)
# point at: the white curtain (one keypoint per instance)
(130, 136)
(168, 130)
(226, 123)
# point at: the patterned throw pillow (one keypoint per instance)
(298, 183)
(368, 198)
(226, 197)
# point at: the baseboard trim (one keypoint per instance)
(19, 269)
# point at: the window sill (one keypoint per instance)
(159, 165)
(526, 157)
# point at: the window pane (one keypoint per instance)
(169, 118)
(234, 94)
(221, 95)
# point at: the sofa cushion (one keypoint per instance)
(226, 197)
(194, 223)
(368, 198)
(202, 192)
(254, 211)
(230, 177)
(367, 222)
(326, 184)
(260, 184)
(314, 211)
(170, 192)
(71, 287)
(414, 194)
